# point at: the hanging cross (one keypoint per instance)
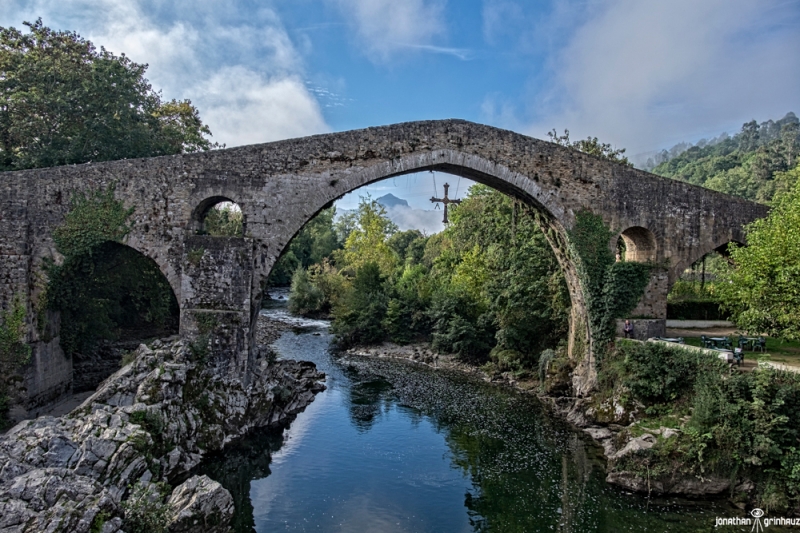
(445, 201)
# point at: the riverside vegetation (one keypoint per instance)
(489, 290)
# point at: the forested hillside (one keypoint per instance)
(756, 163)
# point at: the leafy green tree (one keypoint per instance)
(367, 242)
(763, 291)
(306, 298)
(591, 146)
(63, 102)
(359, 318)
(499, 258)
(314, 244)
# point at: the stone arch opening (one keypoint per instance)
(637, 244)
(219, 216)
(523, 191)
(535, 191)
(122, 300)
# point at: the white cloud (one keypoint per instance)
(647, 74)
(389, 26)
(243, 105)
(426, 220)
(240, 68)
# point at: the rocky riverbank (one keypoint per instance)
(608, 423)
(123, 458)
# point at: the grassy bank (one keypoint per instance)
(731, 424)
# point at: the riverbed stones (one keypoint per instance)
(151, 421)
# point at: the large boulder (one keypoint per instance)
(200, 505)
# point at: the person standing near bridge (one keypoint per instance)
(628, 329)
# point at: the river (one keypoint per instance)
(394, 447)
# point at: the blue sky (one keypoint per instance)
(640, 74)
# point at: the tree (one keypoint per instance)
(591, 146)
(313, 244)
(763, 291)
(367, 242)
(64, 102)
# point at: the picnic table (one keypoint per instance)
(753, 342)
(716, 342)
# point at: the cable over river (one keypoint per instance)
(393, 446)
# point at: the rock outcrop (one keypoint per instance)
(150, 423)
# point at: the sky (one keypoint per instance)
(639, 74)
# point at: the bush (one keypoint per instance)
(305, 297)
(359, 318)
(461, 327)
(656, 373)
(145, 510)
(743, 424)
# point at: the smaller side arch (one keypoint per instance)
(640, 245)
(201, 210)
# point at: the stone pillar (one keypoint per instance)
(215, 301)
(649, 317)
(653, 303)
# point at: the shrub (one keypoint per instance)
(305, 298)
(359, 318)
(461, 327)
(145, 510)
(656, 373)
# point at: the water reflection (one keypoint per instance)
(395, 447)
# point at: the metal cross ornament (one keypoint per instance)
(446, 201)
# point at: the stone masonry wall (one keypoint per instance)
(281, 185)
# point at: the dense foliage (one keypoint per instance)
(751, 164)
(734, 424)
(14, 352)
(488, 287)
(763, 291)
(63, 102)
(102, 289)
(314, 243)
(224, 220)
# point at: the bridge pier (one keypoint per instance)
(215, 302)
(653, 303)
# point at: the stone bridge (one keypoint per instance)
(280, 186)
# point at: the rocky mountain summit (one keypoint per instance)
(122, 460)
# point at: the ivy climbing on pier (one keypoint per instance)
(611, 288)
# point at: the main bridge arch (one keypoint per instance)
(280, 186)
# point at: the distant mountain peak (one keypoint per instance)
(390, 200)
